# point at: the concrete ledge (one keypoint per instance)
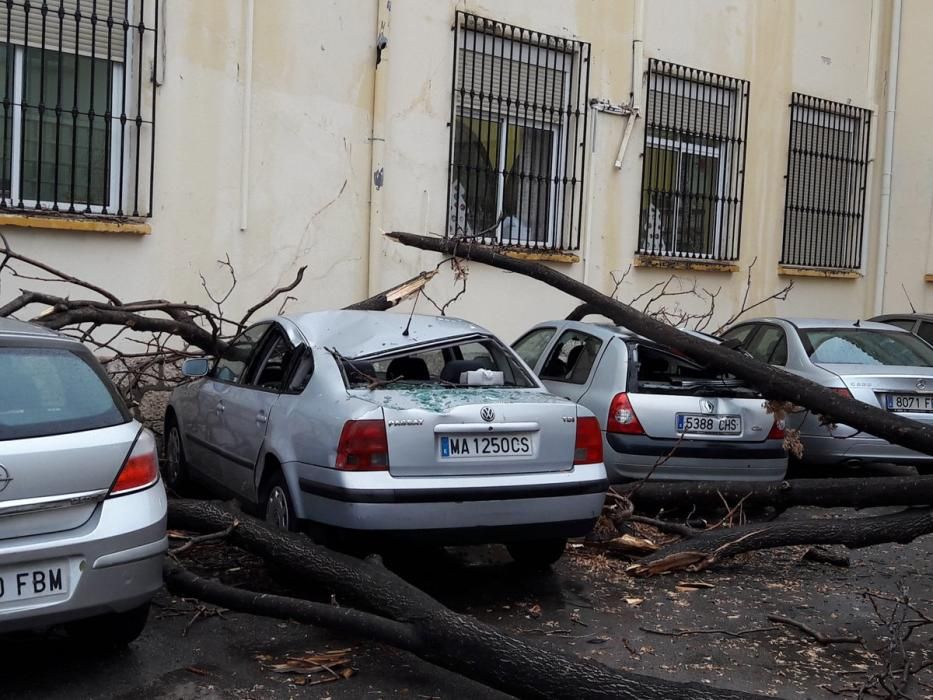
(684, 264)
(541, 255)
(53, 221)
(823, 272)
(928, 278)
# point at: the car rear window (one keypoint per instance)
(49, 391)
(854, 346)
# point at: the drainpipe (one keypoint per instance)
(246, 116)
(377, 143)
(888, 160)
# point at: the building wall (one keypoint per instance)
(310, 198)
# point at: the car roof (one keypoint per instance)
(607, 330)
(359, 333)
(802, 322)
(14, 327)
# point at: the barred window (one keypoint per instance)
(693, 173)
(517, 133)
(827, 173)
(77, 126)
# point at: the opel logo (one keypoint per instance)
(487, 414)
(707, 406)
(921, 384)
(5, 478)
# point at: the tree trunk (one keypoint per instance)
(652, 496)
(457, 642)
(772, 382)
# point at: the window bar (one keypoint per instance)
(74, 111)
(674, 179)
(509, 170)
(823, 200)
(746, 88)
(734, 107)
(482, 169)
(90, 111)
(108, 113)
(860, 173)
(681, 100)
(538, 103)
(645, 175)
(7, 116)
(139, 104)
(152, 123)
(691, 183)
(472, 155)
(22, 102)
(829, 182)
(502, 144)
(58, 106)
(560, 150)
(578, 63)
(808, 145)
(848, 134)
(43, 11)
(788, 238)
(584, 103)
(864, 168)
(843, 122)
(852, 176)
(126, 64)
(524, 74)
(452, 209)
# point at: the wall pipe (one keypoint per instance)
(377, 144)
(247, 115)
(887, 167)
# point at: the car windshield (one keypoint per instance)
(859, 346)
(468, 363)
(49, 391)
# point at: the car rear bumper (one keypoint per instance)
(477, 508)
(829, 450)
(634, 457)
(113, 563)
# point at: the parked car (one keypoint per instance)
(377, 423)
(918, 324)
(82, 508)
(660, 412)
(877, 363)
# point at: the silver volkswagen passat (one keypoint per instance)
(82, 508)
(377, 423)
(880, 364)
(660, 412)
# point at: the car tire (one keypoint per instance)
(278, 510)
(111, 631)
(175, 467)
(537, 554)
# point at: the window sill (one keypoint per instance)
(541, 255)
(684, 264)
(76, 222)
(928, 278)
(822, 272)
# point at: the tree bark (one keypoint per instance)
(772, 382)
(704, 549)
(652, 496)
(457, 642)
(391, 297)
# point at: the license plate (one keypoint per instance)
(468, 446)
(30, 581)
(708, 425)
(909, 402)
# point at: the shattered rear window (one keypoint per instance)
(658, 371)
(476, 362)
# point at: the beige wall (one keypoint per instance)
(310, 171)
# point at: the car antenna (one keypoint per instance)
(411, 315)
(913, 309)
(857, 324)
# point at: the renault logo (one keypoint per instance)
(707, 406)
(487, 414)
(5, 478)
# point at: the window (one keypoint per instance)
(77, 117)
(906, 323)
(740, 334)
(273, 366)
(693, 174)
(517, 133)
(863, 347)
(234, 359)
(572, 358)
(769, 345)
(926, 332)
(530, 346)
(827, 174)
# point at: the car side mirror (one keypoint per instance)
(195, 367)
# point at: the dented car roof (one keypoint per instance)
(362, 333)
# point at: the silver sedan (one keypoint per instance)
(661, 413)
(377, 423)
(877, 363)
(82, 509)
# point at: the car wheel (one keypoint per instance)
(113, 630)
(175, 468)
(280, 513)
(537, 554)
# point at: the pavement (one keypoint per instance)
(710, 627)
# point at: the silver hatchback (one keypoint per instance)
(82, 508)
(661, 413)
(374, 423)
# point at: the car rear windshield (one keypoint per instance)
(659, 371)
(859, 346)
(49, 391)
(474, 362)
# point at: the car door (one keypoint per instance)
(207, 438)
(569, 365)
(247, 406)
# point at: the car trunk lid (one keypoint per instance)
(899, 389)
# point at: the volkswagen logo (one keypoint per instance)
(707, 406)
(921, 384)
(5, 478)
(487, 414)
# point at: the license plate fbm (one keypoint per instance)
(708, 425)
(466, 446)
(33, 581)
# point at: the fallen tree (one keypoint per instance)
(772, 382)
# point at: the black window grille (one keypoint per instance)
(517, 132)
(693, 172)
(79, 105)
(827, 175)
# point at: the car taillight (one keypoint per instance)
(777, 431)
(363, 446)
(141, 469)
(842, 391)
(622, 418)
(588, 448)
